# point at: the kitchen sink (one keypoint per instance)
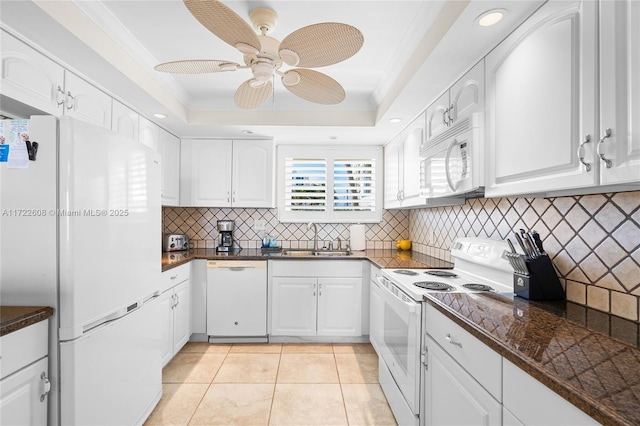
(302, 252)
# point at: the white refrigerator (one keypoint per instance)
(79, 231)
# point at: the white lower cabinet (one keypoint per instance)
(175, 304)
(315, 298)
(24, 372)
(452, 396)
(530, 402)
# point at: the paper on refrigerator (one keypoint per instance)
(13, 150)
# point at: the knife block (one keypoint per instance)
(541, 283)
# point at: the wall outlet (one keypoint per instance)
(259, 225)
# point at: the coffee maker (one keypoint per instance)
(225, 241)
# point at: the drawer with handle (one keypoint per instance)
(175, 276)
(482, 362)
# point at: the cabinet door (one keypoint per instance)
(253, 174)
(412, 140)
(20, 395)
(148, 134)
(620, 90)
(166, 326)
(339, 306)
(124, 120)
(541, 102)
(293, 306)
(452, 396)
(86, 102)
(30, 77)
(170, 165)
(181, 315)
(392, 173)
(437, 116)
(467, 94)
(205, 173)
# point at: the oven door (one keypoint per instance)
(398, 337)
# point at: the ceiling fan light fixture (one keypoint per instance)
(289, 57)
(247, 49)
(490, 17)
(228, 67)
(255, 83)
(290, 78)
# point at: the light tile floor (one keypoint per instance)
(272, 384)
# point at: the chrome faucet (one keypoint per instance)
(315, 234)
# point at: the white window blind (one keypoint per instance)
(305, 186)
(329, 184)
(354, 184)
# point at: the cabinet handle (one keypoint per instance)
(314, 289)
(586, 165)
(228, 196)
(319, 289)
(608, 162)
(70, 105)
(46, 386)
(233, 198)
(60, 91)
(453, 342)
(174, 277)
(444, 117)
(177, 301)
(449, 114)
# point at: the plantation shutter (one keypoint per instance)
(305, 188)
(354, 185)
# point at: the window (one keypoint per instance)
(329, 184)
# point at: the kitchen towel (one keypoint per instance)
(357, 241)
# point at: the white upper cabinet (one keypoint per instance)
(619, 92)
(30, 77)
(402, 167)
(170, 166)
(541, 89)
(225, 173)
(253, 172)
(148, 133)
(86, 102)
(124, 120)
(546, 130)
(465, 97)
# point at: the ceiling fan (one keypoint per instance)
(313, 46)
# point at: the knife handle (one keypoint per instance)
(538, 241)
(513, 249)
(521, 244)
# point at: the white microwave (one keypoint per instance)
(452, 163)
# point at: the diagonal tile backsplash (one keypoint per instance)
(594, 240)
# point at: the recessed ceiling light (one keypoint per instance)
(247, 132)
(158, 115)
(395, 120)
(490, 17)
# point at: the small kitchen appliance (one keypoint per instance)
(225, 240)
(175, 242)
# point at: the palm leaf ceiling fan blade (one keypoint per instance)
(225, 24)
(250, 97)
(313, 86)
(322, 44)
(196, 66)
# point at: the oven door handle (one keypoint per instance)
(394, 300)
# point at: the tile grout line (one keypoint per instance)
(344, 403)
(209, 386)
(275, 383)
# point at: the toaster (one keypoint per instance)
(175, 242)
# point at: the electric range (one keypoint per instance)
(480, 265)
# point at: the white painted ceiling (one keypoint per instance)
(412, 51)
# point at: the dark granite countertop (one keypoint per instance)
(13, 318)
(380, 258)
(590, 358)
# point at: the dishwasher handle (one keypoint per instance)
(236, 265)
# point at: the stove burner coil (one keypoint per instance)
(478, 287)
(405, 272)
(434, 285)
(443, 274)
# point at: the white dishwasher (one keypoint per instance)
(237, 300)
